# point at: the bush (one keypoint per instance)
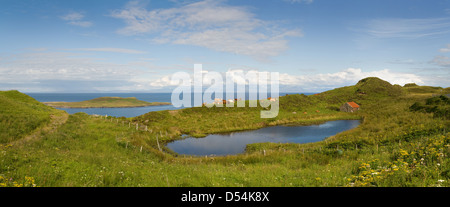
(410, 85)
(438, 105)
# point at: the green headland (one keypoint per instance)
(106, 102)
(403, 141)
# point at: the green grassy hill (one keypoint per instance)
(371, 89)
(20, 115)
(376, 87)
(412, 88)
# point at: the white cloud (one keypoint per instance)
(445, 49)
(115, 50)
(59, 66)
(81, 23)
(209, 24)
(76, 18)
(73, 16)
(161, 82)
(404, 61)
(300, 1)
(63, 71)
(351, 76)
(441, 61)
(408, 28)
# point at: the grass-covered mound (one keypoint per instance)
(376, 87)
(20, 114)
(106, 102)
(413, 88)
(369, 89)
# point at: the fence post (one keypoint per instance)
(157, 141)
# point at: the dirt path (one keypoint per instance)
(56, 120)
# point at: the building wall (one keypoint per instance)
(347, 108)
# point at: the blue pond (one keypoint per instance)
(235, 143)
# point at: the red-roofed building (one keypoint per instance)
(350, 107)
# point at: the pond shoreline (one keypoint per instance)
(301, 122)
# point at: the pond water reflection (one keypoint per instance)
(235, 142)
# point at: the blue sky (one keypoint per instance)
(135, 46)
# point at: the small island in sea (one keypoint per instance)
(106, 102)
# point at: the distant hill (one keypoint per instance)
(370, 88)
(414, 88)
(106, 102)
(20, 114)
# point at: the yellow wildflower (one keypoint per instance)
(403, 152)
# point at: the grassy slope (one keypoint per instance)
(106, 102)
(20, 115)
(393, 147)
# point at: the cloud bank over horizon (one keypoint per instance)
(310, 83)
(47, 69)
